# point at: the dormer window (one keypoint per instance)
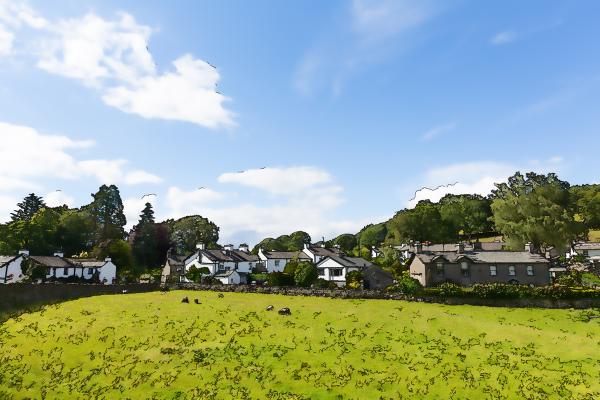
(464, 269)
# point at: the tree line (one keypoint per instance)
(97, 230)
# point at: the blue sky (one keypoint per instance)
(337, 111)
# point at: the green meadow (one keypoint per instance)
(153, 346)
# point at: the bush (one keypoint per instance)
(280, 279)
(306, 273)
(500, 290)
(449, 289)
(354, 280)
(324, 284)
(572, 279)
(406, 285)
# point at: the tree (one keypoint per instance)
(145, 243)
(537, 209)
(107, 211)
(188, 231)
(372, 235)
(27, 208)
(346, 241)
(466, 214)
(306, 273)
(120, 253)
(75, 232)
(586, 199)
(422, 223)
(43, 232)
(195, 274)
(292, 242)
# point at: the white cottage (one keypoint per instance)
(589, 250)
(219, 261)
(275, 261)
(232, 277)
(88, 267)
(318, 251)
(335, 269)
(10, 269)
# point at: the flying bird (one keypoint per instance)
(263, 167)
(148, 195)
(201, 187)
(58, 190)
(211, 65)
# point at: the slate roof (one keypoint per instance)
(484, 257)
(52, 261)
(286, 255)
(587, 246)
(485, 246)
(348, 261)
(243, 256)
(324, 251)
(87, 262)
(225, 274)
(6, 259)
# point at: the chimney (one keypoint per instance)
(200, 246)
(460, 248)
(59, 254)
(244, 247)
(228, 247)
(337, 246)
(322, 244)
(24, 252)
(418, 248)
(529, 247)
(477, 246)
(108, 259)
(306, 245)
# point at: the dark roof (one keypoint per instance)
(225, 274)
(52, 261)
(243, 256)
(348, 261)
(325, 251)
(436, 247)
(376, 270)
(87, 262)
(6, 259)
(587, 246)
(484, 257)
(286, 255)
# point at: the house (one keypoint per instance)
(376, 278)
(590, 250)
(10, 268)
(275, 261)
(232, 277)
(336, 268)
(174, 268)
(87, 268)
(407, 250)
(467, 267)
(318, 251)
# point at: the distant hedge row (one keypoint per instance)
(511, 291)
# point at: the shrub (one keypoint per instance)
(324, 284)
(306, 273)
(500, 290)
(354, 280)
(280, 279)
(572, 279)
(449, 289)
(406, 285)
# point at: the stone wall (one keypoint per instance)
(17, 296)
(378, 294)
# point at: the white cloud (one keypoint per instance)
(26, 154)
(92, 49)
(438, 130)
(474, 178)
(112, 56)
(503, 37)
(6, 41)
(58, 198)
(188, 94)
(133, 206)
(279, 181)
(7, 206)
(306, 199)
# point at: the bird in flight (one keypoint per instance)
(58, 190)
(263, 167)
(201, 187)
(148, 195)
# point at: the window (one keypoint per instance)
(321, 271)
(512, 271)
(439, 269)
(530, 270)
(90, 271)
(48, 271)
(250, 265)
(493, 270)
(464, 269)
(336, 272)
(277, 263)
(65, 271)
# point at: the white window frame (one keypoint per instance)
(493, 270)
(465, 272)
(512, 270)
(439, 268)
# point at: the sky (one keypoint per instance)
(269, 117)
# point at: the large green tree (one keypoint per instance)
(537, 209)
(422, 223)
(191, 230)
(76, 232)
(145, 241)
(586, 199)
(466, 214)
(27, 208)
(107, 211)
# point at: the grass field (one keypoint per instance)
(153, 346)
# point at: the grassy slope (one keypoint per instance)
(142, 344)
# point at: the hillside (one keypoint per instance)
(140, 345)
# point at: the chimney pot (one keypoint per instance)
(200, 246)
(24, 252)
